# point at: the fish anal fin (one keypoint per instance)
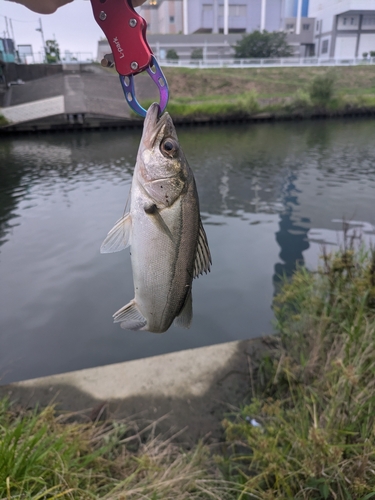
(130, 317)
(186, 314)
(203, 260)
(119, 236)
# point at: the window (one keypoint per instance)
(344, 21)
(234, 10)
(305, 27)
(325, 47)
(368, 21)
(317, 25)
(237, 10)
(171, 19)
(290, 26)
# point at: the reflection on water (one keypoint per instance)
(353, 233)
(264, 190)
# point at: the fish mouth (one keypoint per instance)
(155, 128)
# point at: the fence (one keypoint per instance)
(269, 63)
(40, 58)
(86, 57)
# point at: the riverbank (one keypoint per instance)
(305, 431)
(206, 96)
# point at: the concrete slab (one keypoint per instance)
(34, 110)
(195, 388)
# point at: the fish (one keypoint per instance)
(168, 243)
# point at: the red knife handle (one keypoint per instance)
(125, 30)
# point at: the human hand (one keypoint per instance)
(50, 6)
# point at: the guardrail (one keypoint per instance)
(269, 63)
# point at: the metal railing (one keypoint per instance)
(40, 58)
(269, 63)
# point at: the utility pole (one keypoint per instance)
(6, 25)
(41, 32)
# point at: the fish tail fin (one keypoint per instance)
(130, 317)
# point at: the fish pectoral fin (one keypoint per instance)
(130, 317)
(203, 260)
(186, 314)
(154, 213)
(118, 237)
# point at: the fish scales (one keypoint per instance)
(168, 243)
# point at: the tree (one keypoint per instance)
(263, 44)
(172, 54)
(52, 51)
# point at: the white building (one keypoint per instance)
(220, 16)
(343, 28)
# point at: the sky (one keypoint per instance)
(73, 25)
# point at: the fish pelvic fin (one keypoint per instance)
(203, 261)
(130, 317)
(119, 236)
(186, 314)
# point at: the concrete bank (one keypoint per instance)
(192, 389)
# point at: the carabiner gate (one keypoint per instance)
(157, 75)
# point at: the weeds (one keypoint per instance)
(45, 456)
(322, 89)
(316, 406)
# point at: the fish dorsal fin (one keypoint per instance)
(186, 314)
(118, 237)
(130, 317)
(203, 260)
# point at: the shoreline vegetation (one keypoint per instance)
(306, 432)
(269, 93)
(248, 94)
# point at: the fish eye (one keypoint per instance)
(169, 147)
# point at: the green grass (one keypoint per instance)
(3, 121)
(266, 82)
(46, 456)
(243, 93)
(315, 398)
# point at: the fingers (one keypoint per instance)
(50, 6)
(43, 6)
(137, 3)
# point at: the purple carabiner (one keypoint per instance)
(157, 75)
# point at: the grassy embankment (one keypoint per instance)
(282, 92)
(313, 396)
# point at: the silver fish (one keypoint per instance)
(163, 227)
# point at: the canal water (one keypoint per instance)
(270, 194)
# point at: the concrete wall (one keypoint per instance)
(27, 72)
(191, 390)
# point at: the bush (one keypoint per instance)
(301, 101)
(315, 407)
(197, 54)
(249, 103)
(172, 54)
(263, 45)
(372, 53)
(364, 55)
(322, 89)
